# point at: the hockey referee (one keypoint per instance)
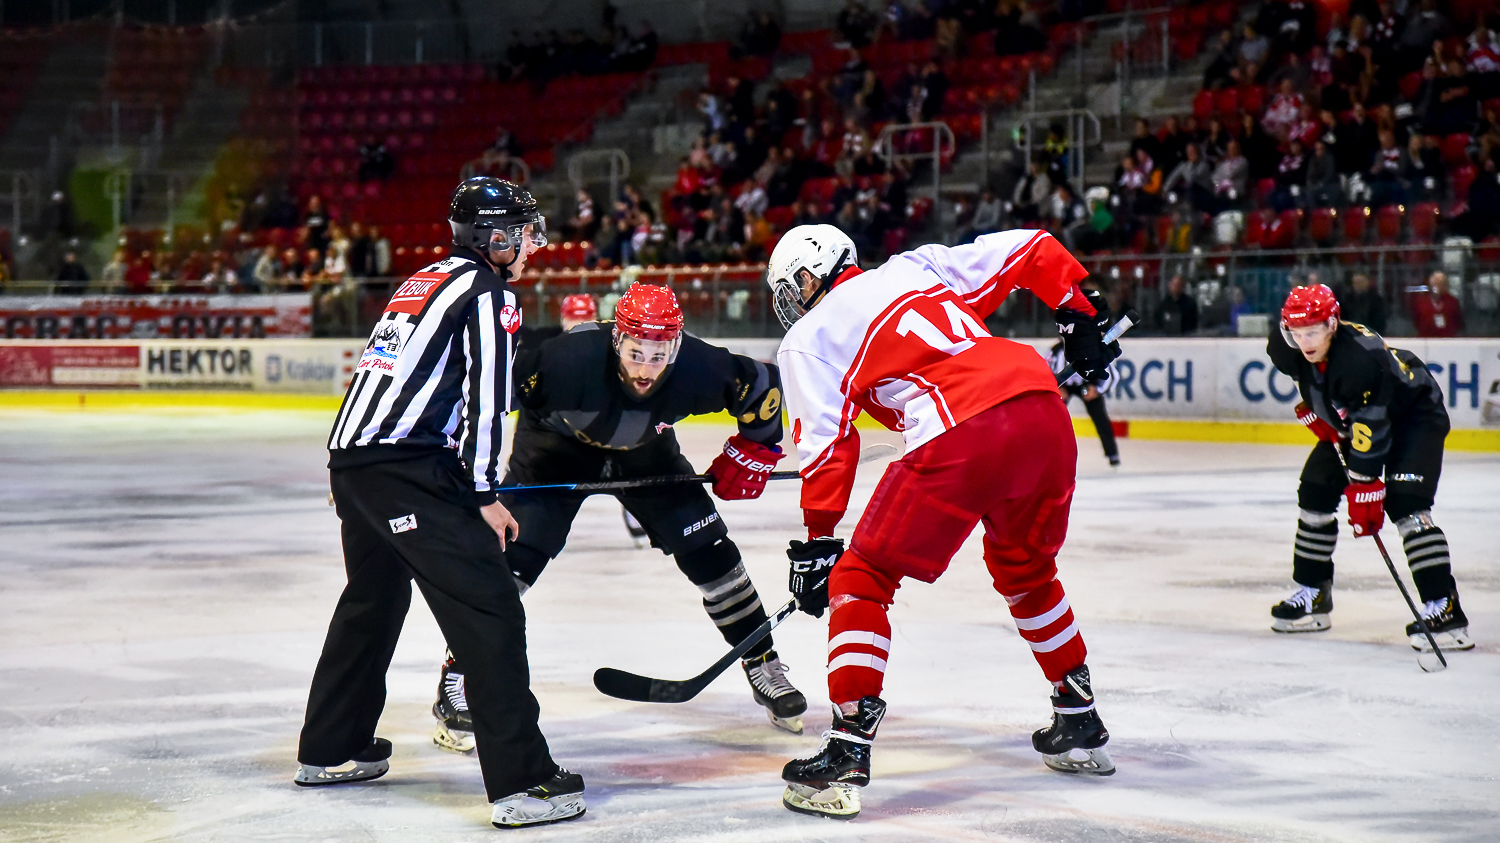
(415, 460)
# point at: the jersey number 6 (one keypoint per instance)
(1359, 437)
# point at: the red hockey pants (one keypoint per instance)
(1010, 467)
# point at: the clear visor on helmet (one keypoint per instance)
(641, 352)
(533, 234)
(1310, 335)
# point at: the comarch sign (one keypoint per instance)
(1232, 379)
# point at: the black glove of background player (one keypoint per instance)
(1083, 338)
(812, 562)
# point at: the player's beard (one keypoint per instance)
(628, 384)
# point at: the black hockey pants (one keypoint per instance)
(417, 519)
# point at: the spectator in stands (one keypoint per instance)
(112, 276)
(1145, 139)
(315, 222)
(1031, 191)
(218, 280)
(313, 274)
(787, 179)
(1345, 69)
(1482, 56)
(138, 275)
(741, 100)
(72, 278)
(1190, 183)
(1422, 169)
(1095, 232)
(1253, 50)
(375, 161)
(805, 214)
(1066, 211)
(290, 265)
(714, 117)
(380, 249)
(1291, 176)
(1453, 106)
(267, 273)
(753, 200)
(583, 223)
(761, 35)
(1361, 303)
(1018, 29)
(1435, 311)
(934, 89)
(1215, 141)
(1177, 315)
(869, 102)
(855, 24)
(987, 213)
(1259, 149)
(1358, 138)
(336, 259)
(1385, 172)
(1414, 42)
(1226, 57)
(1130, 183)
(1171, 150)
(1324, 189)
(1482, 218)
(758, 236)
(1292, 76)
(1283, 111)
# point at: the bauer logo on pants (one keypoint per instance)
(404, 523)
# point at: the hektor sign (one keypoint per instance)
(320, 367)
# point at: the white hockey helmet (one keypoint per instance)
(822, 250)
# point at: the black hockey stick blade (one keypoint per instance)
(1129, 320)
(636, 688)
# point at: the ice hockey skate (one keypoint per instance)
(784, 704)
(1446, 621)
(632, 526)
(1306, 610)
(1074, 743)
(371, 763)
(454, 730)
(826, 784)
(557, 799)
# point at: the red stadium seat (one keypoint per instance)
(1355, 220)
(1203, 105)
(1320, 225)
(1455, 150)
(1424, 222)
(1256, 223)
(1462, 178)
(1388, 223)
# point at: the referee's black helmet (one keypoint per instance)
(491, 215)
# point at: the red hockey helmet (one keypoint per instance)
(580, 307)
(650, 315)
(1306, 307)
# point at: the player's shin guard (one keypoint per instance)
(1312, 550)
(826, 783)
(1045, 620)
(859, 632)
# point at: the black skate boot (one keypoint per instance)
(372, 762)
(784, 704)
(827, 783)
(632, 526)
(1074, 743)
(455, 728)
(1306, 610)
(1445, 620)
(557, 799)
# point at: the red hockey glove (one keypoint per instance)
(1321, 429)
(742, 470)
(1366, 506)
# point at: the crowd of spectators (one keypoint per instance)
(542, 57)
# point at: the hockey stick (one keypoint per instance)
(1127, 321)
(630, 686)
(870, 453)
(1427, 666)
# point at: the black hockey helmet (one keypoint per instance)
(491, 215)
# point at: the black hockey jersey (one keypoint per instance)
(1368, 391)
(571, 387)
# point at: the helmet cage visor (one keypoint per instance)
(647, 352)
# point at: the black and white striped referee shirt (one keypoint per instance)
(436, 372)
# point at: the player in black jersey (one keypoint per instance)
(1382, 409)
(598, 403)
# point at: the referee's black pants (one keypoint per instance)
(456, 561)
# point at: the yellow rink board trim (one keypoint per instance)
(1266, 433)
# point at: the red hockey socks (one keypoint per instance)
(1045, 620)
(859, 633)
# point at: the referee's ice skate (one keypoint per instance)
(372, 762)
(1074, 743)
(557, 799)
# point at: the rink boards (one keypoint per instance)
(1210, 388)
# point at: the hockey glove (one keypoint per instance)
(812, 562)
(1321, 429)
(1366, 506)
(1082, 325)
(741, 472)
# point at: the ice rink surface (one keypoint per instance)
(166, 580)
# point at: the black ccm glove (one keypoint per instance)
(1083, 338)
(812, 562)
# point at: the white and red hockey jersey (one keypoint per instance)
(906, 343)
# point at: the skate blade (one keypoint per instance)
(789, 724)
(836, 802)
(1453, 639)
(352, 771)
(453, 740)
(522, 810)
(1094, 762)
(1307, 623)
